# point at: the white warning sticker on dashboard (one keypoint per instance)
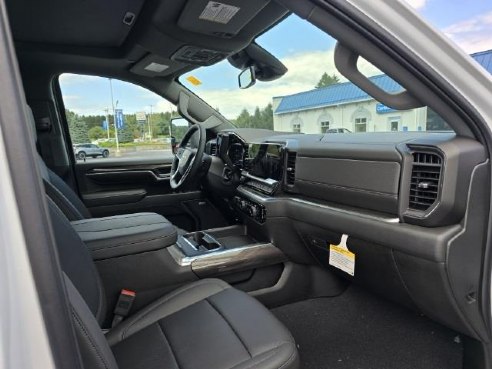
(218, 12)
(341, 257)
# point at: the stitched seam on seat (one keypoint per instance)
(161, 328)
(118, 228)
(132, 243)
(272, 353)
(111, 219)
(230, 326)
(166, 299)
(252, 365)
(290, 359)
(89, 339)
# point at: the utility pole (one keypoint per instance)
(150, 123)
(114, 117)
(107, 120)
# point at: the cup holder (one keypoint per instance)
(202, 241)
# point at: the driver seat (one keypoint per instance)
(60, 192)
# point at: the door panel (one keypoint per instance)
(119, 186)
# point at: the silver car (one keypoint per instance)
(84, 150)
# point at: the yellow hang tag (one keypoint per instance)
(341, 257)
(193, 80)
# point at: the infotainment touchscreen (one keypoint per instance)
(265, 160)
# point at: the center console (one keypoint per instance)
(223, 250)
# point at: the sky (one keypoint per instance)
(305, 50)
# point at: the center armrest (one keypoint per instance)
(127, 234)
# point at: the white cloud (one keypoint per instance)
(417, 4)
(304, 71)
(73, 79)
(473, 34)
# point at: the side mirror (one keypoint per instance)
(177, 128)
(247, 78)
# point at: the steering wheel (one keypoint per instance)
(187, 160)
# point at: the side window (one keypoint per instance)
(116, 119)
(360, 125)
(325, 126)
(297, 125)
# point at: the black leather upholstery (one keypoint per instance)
(127, 234)
(77, 263)
(61, 193)
(203, 325)
(206, 324)
(66, 198)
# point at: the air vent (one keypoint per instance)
(213, 148)
(291, 168)
(424, 185)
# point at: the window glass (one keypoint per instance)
(142, 119)
(325, 126)
(312, 97)
(360, 124)
(467, 23)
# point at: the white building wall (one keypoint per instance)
(344, 116)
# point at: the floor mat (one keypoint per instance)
(358, 330)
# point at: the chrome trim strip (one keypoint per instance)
(240, 258)
(99, 173)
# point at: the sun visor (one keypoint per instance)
(223, 19)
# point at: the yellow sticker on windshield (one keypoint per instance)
(194, 81)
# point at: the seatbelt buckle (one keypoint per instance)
(123, 305)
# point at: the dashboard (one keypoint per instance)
(411, 205)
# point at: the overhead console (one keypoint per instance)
(219, 19)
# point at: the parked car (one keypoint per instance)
(83, 150)
(338, 130)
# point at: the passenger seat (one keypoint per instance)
(203, 325)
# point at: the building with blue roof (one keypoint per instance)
(345, 107)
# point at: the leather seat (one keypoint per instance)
(206, 324)
(203, 325)
(60, 192)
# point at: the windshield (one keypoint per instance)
(312, 97)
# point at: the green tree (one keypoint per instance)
(327, 80)
(95, 133)
(244, 119)
(261, 118)
(267, 117)
(125, 134)
(77, 128)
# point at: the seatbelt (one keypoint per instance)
(123, 306)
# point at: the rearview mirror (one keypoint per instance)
(247, 78)
(256, 64)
